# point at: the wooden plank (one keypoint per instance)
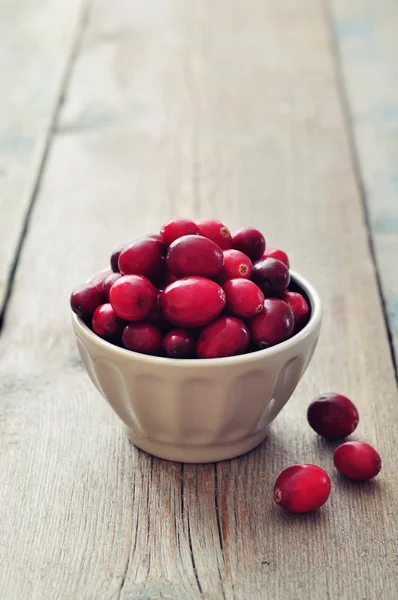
(37, 38)
(365, 34)
(206, 113)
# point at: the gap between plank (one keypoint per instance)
(348, 120)
(75, 47)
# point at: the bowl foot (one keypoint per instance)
(197, 454)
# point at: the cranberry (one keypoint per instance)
(274, 324)
(115, 258)
(107, 284)
(332, 415)
(157, 318)
(236, 264)
(155, 236)
(98, 278)
(357, 460)
(250, 241)
(299, 307)
(244, 298)
(169, 277)
(107, 324)
(275, 253)
(133, 297)
(176, 228)
(271, 275)
(144, 256)
(192, 302)
(194, 255)
(179, 343)
(216, 232)
(85, 299)
(142, 337)
(225, 337)
(302, 488)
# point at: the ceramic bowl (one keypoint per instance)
(200, 410)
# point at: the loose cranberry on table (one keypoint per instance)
(244, 298)
(357, 460)
(133, 297)
(300, 309)
(107, 324)
(276, 253)
(236, 264)
(176, 228)
(333, 415)
(271, 276)
(250, 241)
(144, 256)
(194, 255)
(142, 337)
(227, 336)
(85, 298)
(107, 284)
(215, 231)
(302, 488)
(179, 343)
(192, 302)
(274, 324)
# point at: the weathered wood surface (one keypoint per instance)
(175, 107)
(366, 37)
(36, 41)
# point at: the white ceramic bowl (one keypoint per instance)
(200, 410)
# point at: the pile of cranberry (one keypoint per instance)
(194, 290)
(302, 488)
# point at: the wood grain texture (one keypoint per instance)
(219, 108)
(366, 38)
(37, 38)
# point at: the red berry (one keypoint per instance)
(107, 284)
(194, 255)
(84, 299)
(192, 302)
(176, 228)
(244, 298)
(107, 324)
(302, 488)
(225, 337)
(357, 460)
(115, 259)
(250, 241)
(169, 277)
(98, 278)
(215, 231)
(274, 324)
(271, 276)
(133, 297)
(179, 343)
(155, 236)
(275, 253)
(332, 415)
(142, 337)
(157, 318)
(144, 256)
(299, 307)
(236, 264)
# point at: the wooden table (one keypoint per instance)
(113, 118)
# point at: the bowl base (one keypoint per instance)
(197, 454)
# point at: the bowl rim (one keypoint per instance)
(200, 363)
